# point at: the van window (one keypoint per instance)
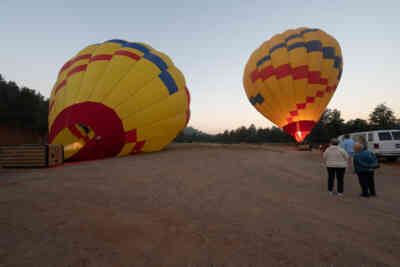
(370, 137)
(396, 135)
(385, 136)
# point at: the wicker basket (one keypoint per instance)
(29, 156)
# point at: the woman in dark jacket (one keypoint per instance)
(364, 164)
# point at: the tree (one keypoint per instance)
(180, 138)
(252, 134)
(382, 117)
(357, 125)
(241, 135)
(22, 107)
(335, 123)
(330, 125)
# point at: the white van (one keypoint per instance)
(384, 143)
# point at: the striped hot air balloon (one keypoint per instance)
(291, 78)
(117, 98)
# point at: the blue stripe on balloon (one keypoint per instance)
(169, 82)
(156, 60)
(314, 45)
(165, 76)
(264, 59)
(299, 35)
(308, 30)
(296, 45)
(328, 52)
(281, 45)
(137, 46)
(338, 62)
(117, 41)
(296, 35)
(311, 46)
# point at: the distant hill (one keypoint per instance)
(189, 131)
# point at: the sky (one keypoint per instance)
(210, 42)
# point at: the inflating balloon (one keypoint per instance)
(117, 98)
(291, 78)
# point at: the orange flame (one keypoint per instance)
(300, 135)
(73, 147)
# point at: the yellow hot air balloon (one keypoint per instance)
(117, 98)
(291, 78)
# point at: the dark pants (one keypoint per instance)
(339, 174)
(367, 183)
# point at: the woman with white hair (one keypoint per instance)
(336, 160)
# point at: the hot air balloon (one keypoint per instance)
(117, 98)
(291, 78)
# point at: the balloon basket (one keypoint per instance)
(31, 156)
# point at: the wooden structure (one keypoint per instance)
(31, 156)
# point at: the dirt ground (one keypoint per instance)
(197, 205)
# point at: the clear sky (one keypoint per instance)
(210, 42)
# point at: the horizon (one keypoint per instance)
(210, 43)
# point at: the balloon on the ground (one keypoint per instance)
(291, 78)
(117, 98)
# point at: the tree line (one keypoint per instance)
(330, 125)
(22, 107)
(27, 109)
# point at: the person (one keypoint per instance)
(363, 142)
(336, 160)
(348, 145)
(364, 163)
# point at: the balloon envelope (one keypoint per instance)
(117, 98)
(291, 78)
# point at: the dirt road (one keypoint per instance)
(197, 205)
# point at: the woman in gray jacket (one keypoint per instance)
(336, 160)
